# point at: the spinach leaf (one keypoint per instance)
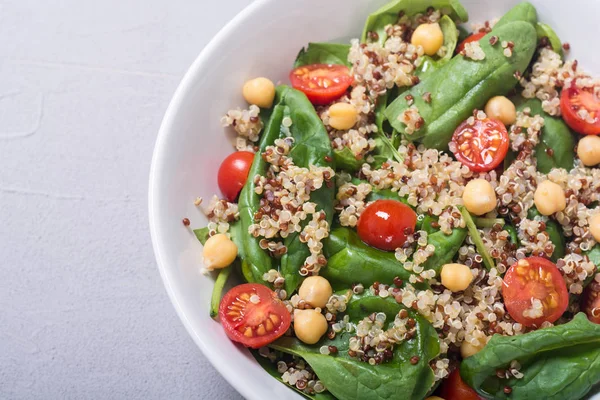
(256, 261)
(545, 31)
(311, 147)
(215, 299)
(384, 148)
(427, 224)
(388, 14)
(521, 12)
(594, 255)
(346, 160)
(481, 222)
(557, 143)
(446, 247)
(202, 234)
(450, 32)
(271, 368)
(323, 53)
(462, 85)
(488, 261)
(554, 231)
(561, 362)
(514, 236)
(351, 261)
(349, 379)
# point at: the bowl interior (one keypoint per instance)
(263, 40)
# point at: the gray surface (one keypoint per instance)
(83, 87)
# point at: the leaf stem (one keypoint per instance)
(488, 222)
(477, 240)
(215, 299)
(390, 146)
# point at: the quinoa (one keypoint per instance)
(473, 51)
(220, 214)
(351, 202)
(247, 124)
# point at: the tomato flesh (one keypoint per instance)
(321, 83)
(454, 388)
(481, 145)
(385, 224)
(590, 302)
(253, 315)
(534, 278)
(475, 37)
(572, 101)
(233, 173)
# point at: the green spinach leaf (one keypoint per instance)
(462, 85)
(523, 11)
(346, 160)
(545, 31)
(323, 53)
(446, 247)
(429, 64)
(561, 362)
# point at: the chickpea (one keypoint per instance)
(456, 277)
(588, 150)
(259, 91)
(595, 227)
(309, 325)
(342, 116)
(549, 198)
(468, 350)
(429, 36)
(434, 398)
(316, 291)
(219, 252)
(479, 197)
(502, 109)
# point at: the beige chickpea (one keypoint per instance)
(219, 252)
(429, 36)
(595, 226)
(456, 277)
(468, 350)
(434, 398)
(342, 116)
(588, 150)
(549, 198)
(259, 91)
(309, 325)
(316, 291)
(479, 197)
(502, 109)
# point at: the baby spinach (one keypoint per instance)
(349, 379)
(513, 235)
(554, 232)
(462, 85)
(311, 148)
(429, 64)
(215, 298)
(388, 14)
(557, 143)
(545, 31)
(523, 11)
(351, 261)
(346, 160)
(560, 362)
(323, 53)
(446, 247)
(201, 235)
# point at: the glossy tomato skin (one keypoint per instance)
(385, 224)
(454, 388)
(481, 145)
(475, 37)
(321, 83)
(571, 100)
(590, 302)
(538, 278)
(233, 173)
(250, 322)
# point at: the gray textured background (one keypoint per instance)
(83, 88)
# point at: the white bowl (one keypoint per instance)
(263, 40)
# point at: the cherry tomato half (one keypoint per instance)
(253, 315)
(385, 224)
(534, 278)
(233, 173)
(475, 37)
(481, 146)
(454, 388)
(321, 83)
(572, 100)
(590, 302)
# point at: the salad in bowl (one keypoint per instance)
(415, 213)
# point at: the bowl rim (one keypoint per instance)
(158, 155)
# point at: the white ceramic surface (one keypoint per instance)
(263, 40)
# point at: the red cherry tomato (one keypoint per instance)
(253, 315)
(534, 278)
(481, 146)
(233, 173)
(385, 224)
(454, 388)
(475, 37)
(590, 302)
(572, 101)
(321, 83)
